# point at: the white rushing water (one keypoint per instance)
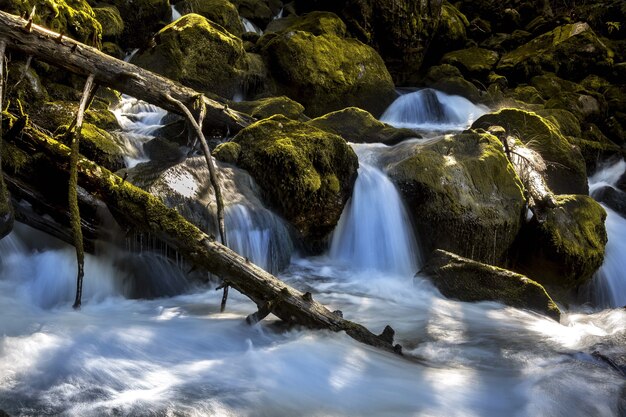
(375, 231)
(172, 353)
(432, 110)
(248, 26)
(609, 284)
(175, 14)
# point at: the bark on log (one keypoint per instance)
(133, 207)
(127, 78)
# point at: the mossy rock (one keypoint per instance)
(228, 152)
(466, 280)
(527, 94)
(585, 107)
(358, 126)
(266, 107)
(473, 62)
(463, 194)
(162, 150)
(570, 51)
(567, 123)
(451, 34)
(113, 49)
(317, 23)
(54, 114)
(199, 54)
(400, 30)
(75, 18)
(306, 174)
(595, 146)
(566, 249)
(257, 11)
(550, 85)
(613, 198)
(504, 15)
(326, 72)
(448, 79)
(97, 145)
(222, 12)
(111, 21)
(31, 92)
(142, 19)
(566, 172)
(505, 42)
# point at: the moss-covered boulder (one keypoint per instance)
(306, 174)
(358, 126)
(448, 79)
(473, 62)
(451, 34)
(614, 198)
(199, 54)
(327, 72)
(570, 51)
(222, 12)
(564, 250)
(463, 194)
(467, 280)
(550, 85)
(566, 172)
(53, 114)
(399, 30)
(585, 107)
(142, 19)
(505, 15)
(75, 18)
(266, 107)
(527, 94)
(100, 146)
(317, 23)
(257, 11)
(111, 21)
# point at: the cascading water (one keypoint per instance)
(179, 355)
(609, 284)
(175, 14)
(248, 26)
(432, 110)
(375, 231)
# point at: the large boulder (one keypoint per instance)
(306, 174)
(563, 251)
(111, 21)
(74, 18)
(314, 65)
(399, 30)
(473, 62)
(266, 107)
(463, 194)
(566, 172)
(222, 12)
(358, 126)
(198, 53)
(467, 280)
(142, 19)
(571, 51)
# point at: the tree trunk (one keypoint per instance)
(125, 77)
(145, 213)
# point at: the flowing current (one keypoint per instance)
(177, 355)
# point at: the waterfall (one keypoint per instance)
(609, 282)
(248, 26)
(259, 235)
(175, 14)
(429, 109)
(374, 231)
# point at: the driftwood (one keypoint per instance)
(144, 213)
(73, 56)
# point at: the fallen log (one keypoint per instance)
(144, 213)
(76, 57)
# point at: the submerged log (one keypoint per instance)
(142, 212)
(125, 77)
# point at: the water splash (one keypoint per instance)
(175, 14)
(248, 26)
(374, 231)
(432, 110)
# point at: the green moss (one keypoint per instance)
(222, 12)
(99, 146)
(527, 94)
(464, 194)
(567, 123)
(452, 27)
(358, 126)
(111, 21)
(199, 54)
(566, 172)
(474, 62)
(305, 173)
(75, 18)
(266, 107)
(571, 51)
(316, 23)
(467, 280)
(228, 152)
(327, 73)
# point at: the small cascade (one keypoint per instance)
(175, 14)
(259, 235)
(433, 110)
(374, 231)
(248, 26)
(280, 13)
(139, 120)
(609, 283)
